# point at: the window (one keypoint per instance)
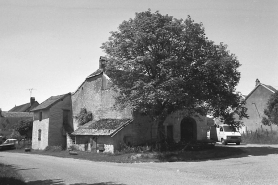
(39, 134)
(40, 116)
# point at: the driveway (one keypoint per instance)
(257, 166)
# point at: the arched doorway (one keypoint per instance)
(188, 129)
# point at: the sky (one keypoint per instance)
(51, 46)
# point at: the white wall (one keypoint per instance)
(44, 126)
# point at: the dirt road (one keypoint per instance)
(258, 166)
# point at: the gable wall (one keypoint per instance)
(57, 135)
(93, 96)
(45, 114)
(256, 103)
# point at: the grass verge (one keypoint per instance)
(206, 154)
(8, 175)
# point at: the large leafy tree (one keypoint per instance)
(160, 64)
(271, 110)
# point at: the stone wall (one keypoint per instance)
(175, 120)
(99, 100)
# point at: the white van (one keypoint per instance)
(225, 134)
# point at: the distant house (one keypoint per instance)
(52, 121)
(25, 107)
(19, 113)
(256, 102)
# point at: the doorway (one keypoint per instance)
(188, 129)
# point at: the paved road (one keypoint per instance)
(258, 166)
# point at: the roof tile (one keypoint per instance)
(102, 127)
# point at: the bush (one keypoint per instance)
(54, 148)
(260, 137)
(134, 149)
(73, 148)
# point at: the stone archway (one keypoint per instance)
(188, 129)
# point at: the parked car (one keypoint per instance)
(9, 144)
(225, 134)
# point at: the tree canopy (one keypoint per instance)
(271, 110)
(160, 64)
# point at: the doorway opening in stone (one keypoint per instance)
(188, 130)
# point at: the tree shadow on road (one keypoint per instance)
(60, 182)
(217, 153)
(101, 183)
(46, 182)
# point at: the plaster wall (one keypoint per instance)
(43, 125)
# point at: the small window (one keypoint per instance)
(39, 134)
(40, 116)
(221, 129)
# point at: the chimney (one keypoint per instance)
(32, 100)
(102, 61)
(257, 82)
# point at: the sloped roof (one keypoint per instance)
(24, 107)
(102, 127)
(268, 87)
(96, 73)
(49, 102)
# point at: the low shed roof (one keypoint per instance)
(108, 127)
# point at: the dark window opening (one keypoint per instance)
(40, 116)
(39, 134)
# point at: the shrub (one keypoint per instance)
(84, 116)
(54, 148)
(260, 137)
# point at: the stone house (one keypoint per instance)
(256, 102)
(52, 121)
(110, 127)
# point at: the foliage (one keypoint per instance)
(24, 128)
(160, 64)
(54, 148)
(260, 137)
(84, 116)
(271, 110)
